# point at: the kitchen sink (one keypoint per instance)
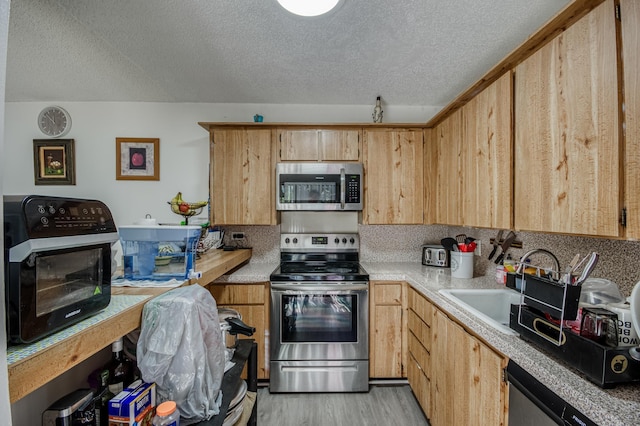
(492, 306)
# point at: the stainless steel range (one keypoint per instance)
(319, 315)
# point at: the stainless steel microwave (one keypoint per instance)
(57, 263)
(319, 186)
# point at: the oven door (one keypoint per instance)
(53, 289)
(319, 321)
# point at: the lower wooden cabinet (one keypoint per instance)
(457, 378)
(252, 301)
(387, 342)
(419, 312)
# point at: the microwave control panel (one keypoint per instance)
(353, 189)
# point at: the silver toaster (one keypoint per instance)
(435, 255)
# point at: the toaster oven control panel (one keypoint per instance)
(51, 217)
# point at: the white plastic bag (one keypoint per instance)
(182, 351)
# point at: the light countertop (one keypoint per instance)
(617, 406)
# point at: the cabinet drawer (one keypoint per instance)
(420, 385)
(420, 354)
(387, 293)
(421, 306)
(238, 294)
(420, 329)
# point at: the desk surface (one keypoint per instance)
(34, 365)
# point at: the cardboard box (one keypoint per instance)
(134, 406)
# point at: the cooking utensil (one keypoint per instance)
(460, 238)
(566, 277)
(509, 239)
(449, 243)
(496, 243)
(588, 268)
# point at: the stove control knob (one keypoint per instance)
(352, 240)
(295, 241)
(337, 241)
(344, 241)
(287, 240)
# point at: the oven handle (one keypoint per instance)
(317, 288)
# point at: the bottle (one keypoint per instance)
(120, 369)
(102, 400)
(167, 414)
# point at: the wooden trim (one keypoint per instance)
(209, 126)
(44, 366)
(556, 25)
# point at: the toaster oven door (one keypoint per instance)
(52, 289)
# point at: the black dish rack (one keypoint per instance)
(547, 305)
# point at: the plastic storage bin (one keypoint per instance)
(158, 252)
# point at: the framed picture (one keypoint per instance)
(54, 162)
(137, 159)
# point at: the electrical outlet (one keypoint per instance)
(478, 250)
(237, 235)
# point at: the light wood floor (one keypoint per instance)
(383, 405)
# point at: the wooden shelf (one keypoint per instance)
(44, 364)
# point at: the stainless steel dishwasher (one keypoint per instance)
(533, 404)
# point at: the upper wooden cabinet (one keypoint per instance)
(447, 138)
(319, 144)
(242, 174)
(630, 17)
(567, 141)
(474, 166)
(393, 162)
(488, 151)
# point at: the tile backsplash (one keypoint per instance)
(619, 260)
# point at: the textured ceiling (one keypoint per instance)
(411, 52)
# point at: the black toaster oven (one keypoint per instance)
(57, 254)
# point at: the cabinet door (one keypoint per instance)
(430, 175)
(255, 316)
(319, 144)
(242, 177)
(299, 145)
(488, 170)
(567, 154)
(467, 385)
(443, 373)
(339, 145)
(386, 312)
(450, 166)
(251, 300)
(393, 161)
(630, 17)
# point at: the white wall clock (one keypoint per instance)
(54, 121)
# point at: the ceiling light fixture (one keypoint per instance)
(309, 7)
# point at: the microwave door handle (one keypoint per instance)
(342, 188)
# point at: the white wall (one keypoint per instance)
(184, 150)
(4, 380)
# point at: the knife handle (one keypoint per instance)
(493, 252)
(499, 258)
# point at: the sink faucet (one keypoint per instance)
(556, 264)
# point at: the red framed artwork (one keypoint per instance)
(137, 159)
